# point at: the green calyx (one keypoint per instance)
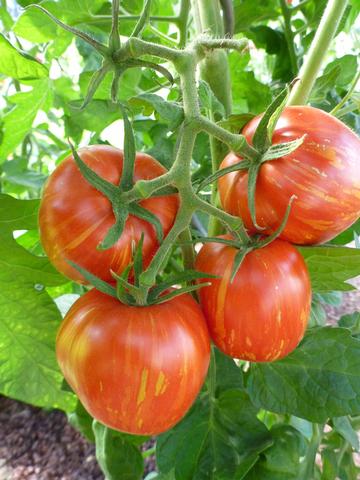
(264, 150)
(129, 291)
(114, 193)
(116, 57)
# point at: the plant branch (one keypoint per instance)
(135, 47)
(182, 22)
(317, 53)
(235, 142)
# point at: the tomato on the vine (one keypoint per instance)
(135, 369)
(75, 217)
(262, 314)
(323, 173)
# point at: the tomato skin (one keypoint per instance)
(262, 315)
(74, 217)
(323, 173)
(135, 369)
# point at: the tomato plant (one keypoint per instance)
(136, 369)
(262, 314)
(73, 221)
(323, 173)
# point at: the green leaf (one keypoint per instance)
(171, 112)
(347, 71)
(324, 84)
(317, 315)
(35, 26)
(320, 379)
(95, 117)
(343, 426)
(249, 12)
(352, 322)
(117, 456)
(18, 121)
(82, 421)
(235, 123)
(29, 318)
(330, 266)
(208, 99)
(285, 459)
(226, 436)
(17, 64)
(17, 214)
(348, 235)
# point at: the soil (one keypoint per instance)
(40, 445)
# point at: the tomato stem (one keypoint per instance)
(324, 35)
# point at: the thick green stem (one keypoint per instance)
(216, 72)
(183, 22)
(312, 451)
(187, 249)
(235, 142)
(286, 11)
(318, 50)
(135, 47)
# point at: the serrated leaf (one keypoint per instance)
(18, 121)
(171, 112)
(331, 266)
(320, 379)
(28, 317)
(17, 64)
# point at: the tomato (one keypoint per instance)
(323, 173)
(262, 314)
(75, 217)
(135, 369)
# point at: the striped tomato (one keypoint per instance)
(323, 173)
(135, 369)
(75, 217)
(262, 314)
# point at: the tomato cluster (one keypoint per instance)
(138, 369)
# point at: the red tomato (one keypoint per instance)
(324, 174)
(262, 315)
(75, 217)
(135, 369)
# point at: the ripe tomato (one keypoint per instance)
(135, 369)
(262, 315)
(75, 217)
(324, 174)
